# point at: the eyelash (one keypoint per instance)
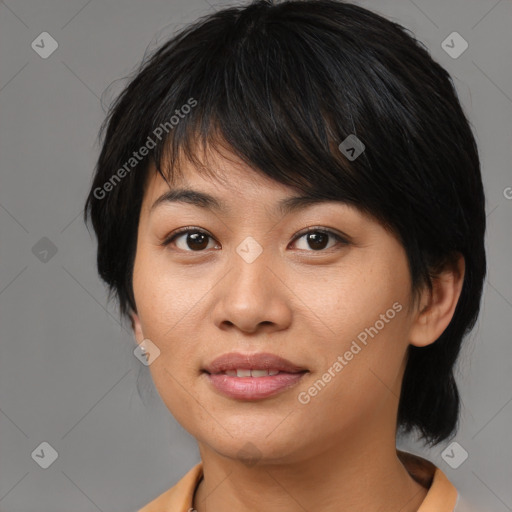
(191, 229)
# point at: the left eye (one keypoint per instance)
(317, 239)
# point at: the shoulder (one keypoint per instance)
(442, 495)
(178, 498)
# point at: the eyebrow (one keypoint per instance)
(207, 201)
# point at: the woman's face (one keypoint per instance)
(247, 279)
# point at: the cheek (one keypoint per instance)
(166, 320)
(166, 296)
(342, 303)
(358, 382)
(363, 330)
(169, 309)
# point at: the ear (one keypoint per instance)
(438, 306)
(137, 328)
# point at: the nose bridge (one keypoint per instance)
(250, 294)
(250, 269)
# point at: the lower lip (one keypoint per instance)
(253, 388)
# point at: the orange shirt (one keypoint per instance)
(442, 496)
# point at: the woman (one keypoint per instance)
(289, 208)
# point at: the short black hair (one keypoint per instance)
(282, 84)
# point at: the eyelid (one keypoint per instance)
(314, 229)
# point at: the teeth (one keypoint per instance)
(259, 373)
(250, 373)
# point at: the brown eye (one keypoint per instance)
(318, 239)
(191, 240)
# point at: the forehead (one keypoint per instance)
(224, 184)
(220, 181)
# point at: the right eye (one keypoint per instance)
(191, 239)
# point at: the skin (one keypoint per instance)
(337, 452)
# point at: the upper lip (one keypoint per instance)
(260, 361)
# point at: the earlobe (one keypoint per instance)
(136, 327)
(437, 306)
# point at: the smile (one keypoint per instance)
(252, 376)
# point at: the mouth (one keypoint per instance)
(252, 376)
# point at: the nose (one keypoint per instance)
(253, 297)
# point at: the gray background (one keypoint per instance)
(68, 375)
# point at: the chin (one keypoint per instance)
(257, 447)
